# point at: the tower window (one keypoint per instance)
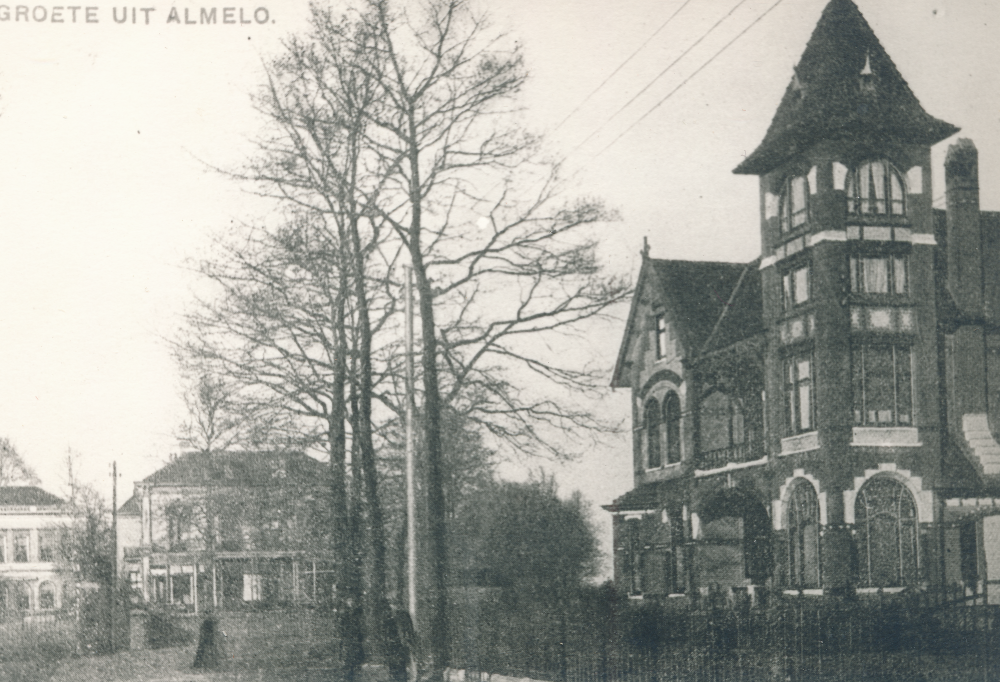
(672, 421)
(794, 203)
(879, 275)
(795, 287)
(799, 394)
(803, 535)
(883, 391)
(875, 188)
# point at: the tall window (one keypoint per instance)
(633, 556)
(661, 337)
(47, 544)
(794, 203)
(886, 524)
(799, 394)
(21, 546)
(803, 535)
(672, 422)
(795, 287)
(653, 434)
(22, 596)
(883, 391)
(875, 188)
(879, 275)
(722, 423)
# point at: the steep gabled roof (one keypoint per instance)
(237, 469)
(27, 496)
(710, 303)
(826, 99)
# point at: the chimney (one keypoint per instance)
(965, 241)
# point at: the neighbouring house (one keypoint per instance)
(824, 418)
(33, 578)
(229, 530)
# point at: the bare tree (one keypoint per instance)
(13, 469)
(394, 134)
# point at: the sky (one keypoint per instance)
(111, 134)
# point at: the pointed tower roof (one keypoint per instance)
(845, 87)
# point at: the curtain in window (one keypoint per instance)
(875, 275)
(803, 535)
(886, 523)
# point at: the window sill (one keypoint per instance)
(805, 592)
(804, 442)
(876, 590)
(885, 436)
(663, 467)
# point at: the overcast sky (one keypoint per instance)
(108, 131)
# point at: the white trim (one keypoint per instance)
(811, 178)
(767, 262)
(803, 442)
(923, 499)
(839, 175)
(923, 239)
(732, 466)
(915, 180)
(885, 436)
(778, 505)
(770, 205)
(828, 236)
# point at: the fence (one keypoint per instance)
(802, 638)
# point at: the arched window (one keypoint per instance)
(886, 522)
(722, 423)
(794, 203)
(803, 535)
(653, 437)
(876, 188)
(672, 421)
(46, 596)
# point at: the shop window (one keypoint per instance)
(886, 525)
(876, 188)
(883, 391)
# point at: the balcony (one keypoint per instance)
(749, 450)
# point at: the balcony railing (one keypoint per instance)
(748, 451)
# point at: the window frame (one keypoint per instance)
(652, 428)
(858, 280)
(16, 546)
(801, 515)
(788, 212)
(861, 376)
(855, 200)
(671, 421)
(906, 534)
(660, 335)
(790, 288)
(793, 385)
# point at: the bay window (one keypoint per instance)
(875, 188)
(883, 391)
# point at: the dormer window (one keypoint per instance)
(876, 188)
(794, 203)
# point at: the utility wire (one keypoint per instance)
(658, 77)
(696, 72)
(621, 66)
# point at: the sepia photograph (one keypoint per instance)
(468, 341)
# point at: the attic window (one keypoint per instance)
(876, 188)
(794, 203)
(661, 337)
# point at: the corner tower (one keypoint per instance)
(848, 285)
